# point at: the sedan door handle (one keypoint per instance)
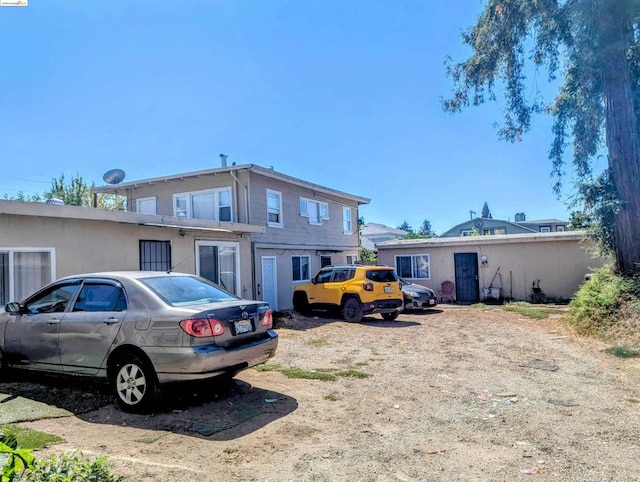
(53, 321)
(111, 320)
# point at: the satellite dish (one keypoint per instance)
(113, 176)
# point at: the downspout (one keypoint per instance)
(246, 197)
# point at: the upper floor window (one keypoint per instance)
(415, 266)
(274, 208)
(213, 204)
(352, 259)
(545, 229)
(493, 231)
(466, 232)
(560, 228)
(314, 210)
(346, 220)
(146, 205)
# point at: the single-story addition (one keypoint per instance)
(41, 242)
(526, 267)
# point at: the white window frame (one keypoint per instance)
(140, 203)
(415, 270)
(545, 229)
(466, 232)
(347, 225)
(352, 258)
(219, 244)
(11, 252)
(278, 210)
(560, 229)
(217, 205)
(322, 210)
(301, 280)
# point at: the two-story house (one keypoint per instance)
(304, 226)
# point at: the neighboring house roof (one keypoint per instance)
(477, 240)
(370, 229)
(484, 223)
(371, 232)
(543, 221)
(94, 214)
(115, 188)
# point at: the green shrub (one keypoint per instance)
(598, 306)
(70, 468)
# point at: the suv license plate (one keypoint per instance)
(243, 326)
(388, 289)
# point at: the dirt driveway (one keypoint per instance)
(458, 393)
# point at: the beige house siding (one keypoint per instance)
(89, 240)
(558, 260)
(296, 228)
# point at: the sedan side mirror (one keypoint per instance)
(14, 308)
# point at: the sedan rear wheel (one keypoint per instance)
(134, 383)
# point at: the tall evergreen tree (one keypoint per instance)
(595, 46)
(486, 214)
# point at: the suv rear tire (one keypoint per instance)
(351, 310)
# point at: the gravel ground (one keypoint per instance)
(457, 393)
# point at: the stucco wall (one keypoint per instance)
(86, 245)
(559, 264)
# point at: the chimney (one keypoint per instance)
(520, 218)
(223, 159)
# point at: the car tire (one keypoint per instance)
(351, 310)
(390, 316)
(301, 304)
(134, 383)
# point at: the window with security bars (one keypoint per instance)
(155, 255)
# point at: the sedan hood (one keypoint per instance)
(416, 288)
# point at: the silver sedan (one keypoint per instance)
(137, 330)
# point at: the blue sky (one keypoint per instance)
(341, 93)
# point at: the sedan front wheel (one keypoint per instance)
(134, 383)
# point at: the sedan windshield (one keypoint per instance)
(187, 290)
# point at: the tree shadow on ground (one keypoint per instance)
(214, 410)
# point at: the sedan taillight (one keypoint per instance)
(202, 327)
(267, 319)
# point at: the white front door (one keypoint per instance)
(269, 284)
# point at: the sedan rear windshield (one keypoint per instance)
(382, 275)
(187, 290)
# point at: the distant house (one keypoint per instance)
(489, 226)
(374, 233)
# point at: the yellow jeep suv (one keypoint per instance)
(356, 290)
